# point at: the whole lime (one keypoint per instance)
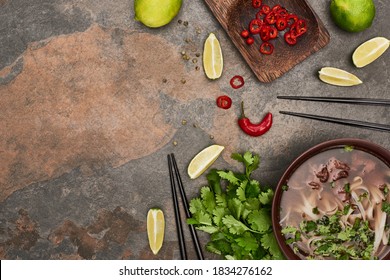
(156, 13)
(352, 15)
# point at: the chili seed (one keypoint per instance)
(197, 68)
(183, 81)
(183, 122)
(164, 80)
(174, 143)
(194, 60)
(180, 21)
(185, 23)
(183, 52)
(211, 137)
(197, 54)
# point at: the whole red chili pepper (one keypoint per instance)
(254, 129)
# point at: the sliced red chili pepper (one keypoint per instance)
(282, 12)
(253, 129)
(281, 23)
(270, 18)
(245, 33)
(264, 32)
(237, 82)
(291, 19)
(266, 48)
(224, 102)
(298, 29)
(290, 38)
(249, 40)
(265, 9)
(256, 3)
(260, 15)
(273, 32)
(255, 25)
(276, 8)
(302, 26)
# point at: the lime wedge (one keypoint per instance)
(155, 227)
(370, 51)
(203, 160)
(212, 57)
(338, 77)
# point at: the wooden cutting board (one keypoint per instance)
(235, 15)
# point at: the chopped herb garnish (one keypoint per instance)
(346, 209)
(285, 188)
(332, 184)
(362, 196)
(315, 211)
(386, 207)
(347, 188)
(385, 190)
(348, 148)
(349, 242)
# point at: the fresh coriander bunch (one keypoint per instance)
(236, 211)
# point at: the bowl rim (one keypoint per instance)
(361, 144)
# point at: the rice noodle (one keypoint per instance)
(357, 181)
(359, 204)
(380, 221)
(377, 195)
(286, 216)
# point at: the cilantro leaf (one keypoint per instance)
(266, 197)
(269, 242)
(218, 214)
(260, 220)
(196, 205)
(241, 191)
(229, 176)
(208, 199)
(203, 218)
(248, 242)
(234, 226)
(208, 229)
(214, 181)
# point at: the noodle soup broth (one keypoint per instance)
(350, 184)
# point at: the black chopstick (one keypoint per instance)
(180, 234)
(345, 100)
(355, 123)
(187, 210)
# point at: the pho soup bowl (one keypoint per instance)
(333, 202)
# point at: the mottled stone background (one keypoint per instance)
(91, 103)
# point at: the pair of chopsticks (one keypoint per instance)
(355, 123)
(174, 174)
